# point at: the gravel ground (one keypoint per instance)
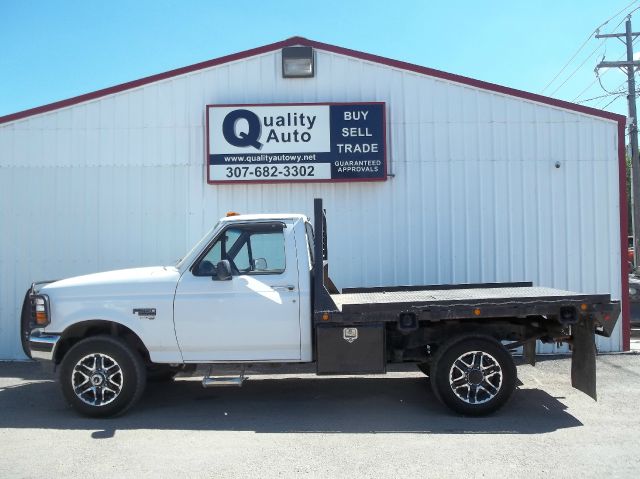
(301, 425)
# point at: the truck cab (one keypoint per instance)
(246, 295)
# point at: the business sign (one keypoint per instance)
(296, 142)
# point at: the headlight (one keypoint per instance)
(41, 306)
(633, 291)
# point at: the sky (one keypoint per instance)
(52, 50)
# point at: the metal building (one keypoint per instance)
(483, 183)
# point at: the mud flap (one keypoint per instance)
(529, 352)
(583, 360)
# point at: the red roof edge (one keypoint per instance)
(147, 80)
(322, 46)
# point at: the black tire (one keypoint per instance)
(481, 388)
(107, 350)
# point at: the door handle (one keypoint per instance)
(288, 287)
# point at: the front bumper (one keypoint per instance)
(43, 345)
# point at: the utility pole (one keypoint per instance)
(630, 65)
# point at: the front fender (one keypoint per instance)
(155, 331)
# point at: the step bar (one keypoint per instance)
(209, 381)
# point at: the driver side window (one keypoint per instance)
(255, 249)
(214, 256)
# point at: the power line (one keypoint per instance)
(602, 86)
(605, 107)
(603, 74)
(607, 95)
(568, 63)
(587, 87)
(619, 87)
(628, 14)
(578, 68)
(620, 13)
(582, 46)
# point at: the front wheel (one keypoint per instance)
(473, 375)
(102, 376)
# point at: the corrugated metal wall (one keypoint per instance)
(119, 182)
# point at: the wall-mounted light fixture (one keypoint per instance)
(297, 62)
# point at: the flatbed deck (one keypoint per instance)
(380, 300)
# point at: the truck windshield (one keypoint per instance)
(198, 246)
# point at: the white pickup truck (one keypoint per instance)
(256, 289)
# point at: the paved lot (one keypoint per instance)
(327, 427)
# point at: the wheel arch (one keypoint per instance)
(93, 327)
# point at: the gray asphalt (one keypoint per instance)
(301, 425)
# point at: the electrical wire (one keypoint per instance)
(607, 95)
(603, 74)
(618, 89)
(601, 102)
(602, 86)
(616, 96)
(582, 46)
(587, 87)
(624, 18)
(621, 11)
(605, 107)
(578, 67)
(567, 64)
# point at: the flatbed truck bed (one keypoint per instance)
(470, 296)
(421, 323)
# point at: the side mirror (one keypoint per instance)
(206, 268)
(259, 264)
(223, 270)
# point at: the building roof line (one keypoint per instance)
(321, 46)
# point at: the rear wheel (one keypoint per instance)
(473, 375)
(102, 376)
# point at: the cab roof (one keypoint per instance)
(265, 217)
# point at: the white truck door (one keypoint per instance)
(253, 316)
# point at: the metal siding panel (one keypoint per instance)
(476, 196)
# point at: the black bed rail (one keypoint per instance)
(322, 301)
(439, 287)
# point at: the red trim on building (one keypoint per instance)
(145, 81)
(322, 46)
(624, 228)
(621, 119)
